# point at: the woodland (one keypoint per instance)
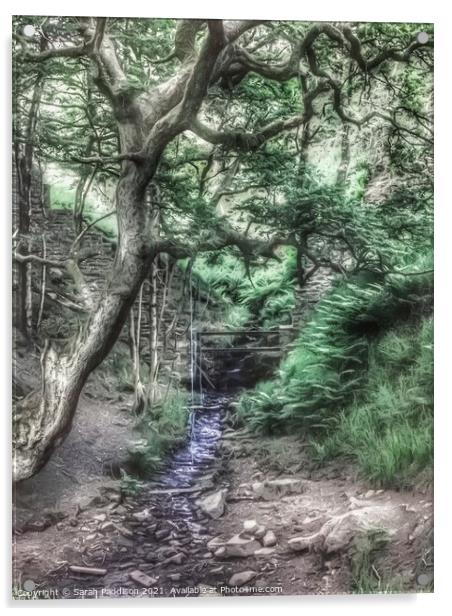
(260, 188)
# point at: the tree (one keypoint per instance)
(154, 104)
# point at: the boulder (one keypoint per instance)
(213, 504)
(269, 539)
(239, 579)
(277, 488)
(337, 533)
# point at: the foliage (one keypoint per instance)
(388, 429)
(369, 575)
(350, 385)
(160, 431)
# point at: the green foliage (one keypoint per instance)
(319, 387)
(368, 575)
(388, 429)
(265, 297)
(160, 431)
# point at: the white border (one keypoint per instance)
(342, 10)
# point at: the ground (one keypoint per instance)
(156, 540)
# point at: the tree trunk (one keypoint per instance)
(42, 419)
(153, 335)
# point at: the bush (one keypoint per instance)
(388, 430)
(355, 383)
(160, 430)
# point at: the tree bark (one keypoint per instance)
(42, 419)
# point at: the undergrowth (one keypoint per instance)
(369, 574)
(359, 381)
(263, 296)
(160, 431)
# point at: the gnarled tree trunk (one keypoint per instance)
(43, 419)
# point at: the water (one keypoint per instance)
(189, 466)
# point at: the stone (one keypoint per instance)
(175, 577)
(216, 542)
(277, 488)
(177, 559)
(249, 526)
(217, 570)
(213, 504)
(142, 516)
(141, 578)
(260, 531)
(369, 494)
(220, 552)
(269, 539)
(264, 552)
(107, 526)
(161, 534)
(241, 546)
(338, 532)
(239, 579)
(101, 517)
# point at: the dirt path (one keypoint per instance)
(279, 526)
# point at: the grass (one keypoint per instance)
(160, 431)
(359, 381)
(388, 430)
(369, 576)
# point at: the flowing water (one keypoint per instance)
(190, 464)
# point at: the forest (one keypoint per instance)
(222, 307)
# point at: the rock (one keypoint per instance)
(220, 552)
(87, 570)
(101, 517)
(269, 539)
(213, 504)
(241, 546)
(300, 544)
(249, 526)
(337, 533)
(141, 516)
(264, 552)
(369, 494)
(107, 526)
(141, 578)
(260, 531)
(277, 488)
(239, 579)
(177, 559)
(216, 570)
(216, 542)
(161, 534)
(175, 577)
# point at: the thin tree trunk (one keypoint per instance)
(153, 335)
(139, 401)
